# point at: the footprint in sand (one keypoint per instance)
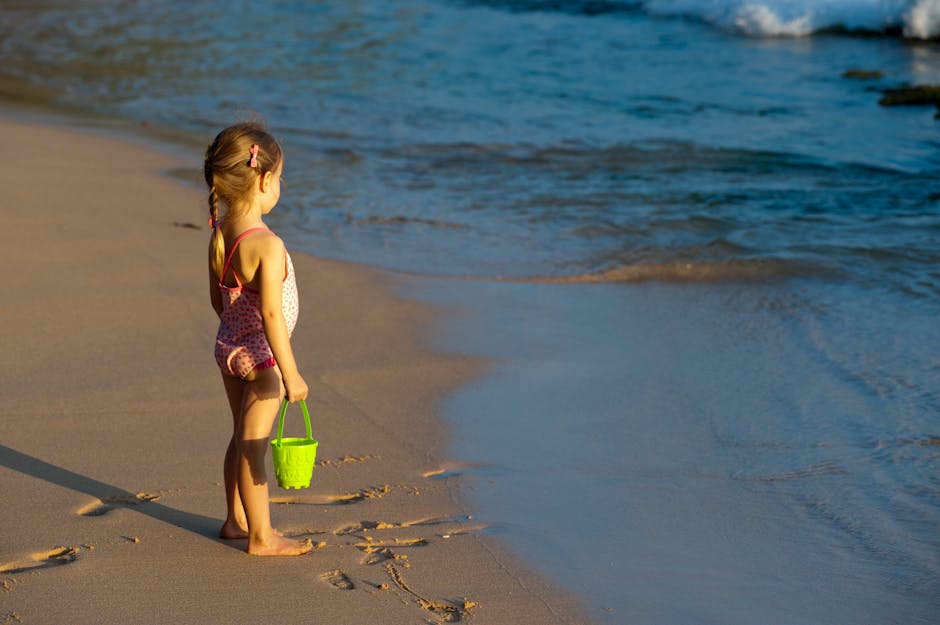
(459, 525)
(444, 610)
(103, 506)
(365, 526)
(375, 492)
(338, 579)
(380, 551)
(42, 560)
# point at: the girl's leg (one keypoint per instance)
(260, 404)
(236, 525)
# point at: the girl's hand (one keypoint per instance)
(296, 388)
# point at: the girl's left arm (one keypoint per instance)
(271, 273)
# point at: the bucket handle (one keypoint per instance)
(280, 422)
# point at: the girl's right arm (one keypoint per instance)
(270, 275)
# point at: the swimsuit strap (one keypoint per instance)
(228, 260)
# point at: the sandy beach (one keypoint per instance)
(115, 424)
(612, 313)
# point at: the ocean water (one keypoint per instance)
(703, 261)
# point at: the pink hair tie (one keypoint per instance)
(254, 156)
(213, 223)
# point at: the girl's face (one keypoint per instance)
(271, 189)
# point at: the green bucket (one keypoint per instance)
(294, 457)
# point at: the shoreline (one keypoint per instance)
(116, 423)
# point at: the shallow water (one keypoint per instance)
(709, 454)
(715, 393)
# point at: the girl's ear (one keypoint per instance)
(264, 180)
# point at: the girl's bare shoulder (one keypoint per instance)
(263, 244)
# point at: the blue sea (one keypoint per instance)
(700, 256)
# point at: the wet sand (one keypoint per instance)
(115, 424)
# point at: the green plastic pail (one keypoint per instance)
(294, 457)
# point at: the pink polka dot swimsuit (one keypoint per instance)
(240, 344)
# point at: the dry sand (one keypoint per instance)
(115, 423)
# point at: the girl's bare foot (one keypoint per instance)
(232, 530)
(277, 545)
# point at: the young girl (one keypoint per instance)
(252, 288)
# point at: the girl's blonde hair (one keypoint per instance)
(232, 170)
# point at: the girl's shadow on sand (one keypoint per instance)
(28, 465)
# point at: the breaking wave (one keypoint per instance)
(916, 19)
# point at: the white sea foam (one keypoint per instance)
(922, 20)
(919, 19)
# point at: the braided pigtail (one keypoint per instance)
(216, 240)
